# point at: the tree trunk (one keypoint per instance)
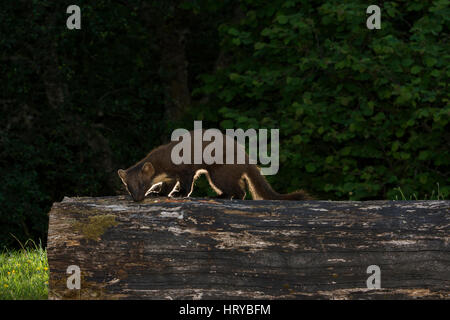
(173, 71)
(218, 249)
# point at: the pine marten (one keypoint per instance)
(157, 174)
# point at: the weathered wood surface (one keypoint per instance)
(218, 249)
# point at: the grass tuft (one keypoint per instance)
(24, 273)
(434, 195)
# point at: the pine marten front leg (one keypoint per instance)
(166, 188)
(161, 189)
(184, 186)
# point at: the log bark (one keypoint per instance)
(219, 249)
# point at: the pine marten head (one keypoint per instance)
(138, 180)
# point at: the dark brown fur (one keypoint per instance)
(228, 180)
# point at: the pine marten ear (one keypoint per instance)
(122, 174)
(148, 169)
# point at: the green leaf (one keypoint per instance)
(395, 146)
(236, 41)
(282, 19)
(259, 45)
(435, 73)
(430, 61)
(416, 69)
(297, 139)
(233, 31)
(227, 124)
(310, 167)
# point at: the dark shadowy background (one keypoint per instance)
(361, 112)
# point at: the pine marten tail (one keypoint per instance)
(296, 195)
(261, 189)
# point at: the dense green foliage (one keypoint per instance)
(360, 112)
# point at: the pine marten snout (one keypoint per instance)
(157, 174)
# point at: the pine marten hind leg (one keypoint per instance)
(184, 186)
(229, 183)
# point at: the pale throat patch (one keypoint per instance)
(159, 178)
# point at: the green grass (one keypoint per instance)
(24, 274)
(434, 195)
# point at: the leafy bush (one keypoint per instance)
(360, 112)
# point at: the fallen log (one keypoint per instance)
(219, 249)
